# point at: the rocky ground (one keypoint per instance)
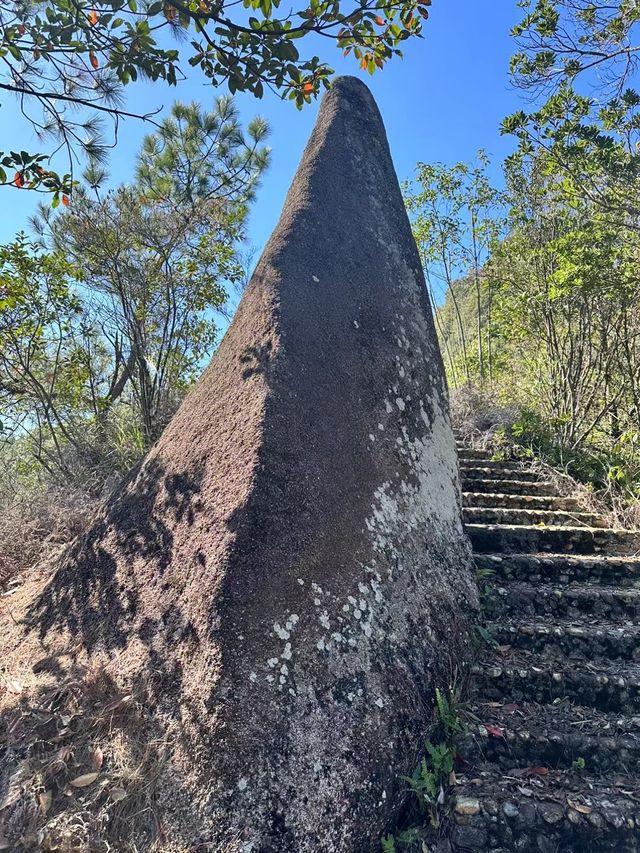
(551, 759)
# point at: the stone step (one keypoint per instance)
(472, 453)
(584, 641)
(499, 471)
(554, 736)
(562, 568)
(525, 677)
(514, 515)
(491, 538)
(488, 485)
(518, 501)
(554, 813)
(551, 600)
(494, 464)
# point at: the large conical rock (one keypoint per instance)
(287, 569)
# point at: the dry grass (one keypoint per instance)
(77, 769)
(476, 415)
(36, 526)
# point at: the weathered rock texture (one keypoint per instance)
(288, 566)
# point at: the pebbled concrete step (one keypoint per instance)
(554, 736)
(514, 515)
(519, 501)
(562, 568)
(499, 471)
(494, 464)
(525, 677)
(472, 453)
(555, 716)
(555, 813)
(508, 487)
(527, 600)
(582, 640)
(491, 538)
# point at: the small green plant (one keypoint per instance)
(483, 637)
(449, 717)
(579, 764)
(404, 840)
(487, 597)
(431, 778)
(484, 574)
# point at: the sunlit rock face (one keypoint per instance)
(287, 572)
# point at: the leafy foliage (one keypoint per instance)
(106, 322)
(559, 312)
(66, 55)
(577, 60)
(455, 216)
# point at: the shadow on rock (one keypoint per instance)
(93, 593)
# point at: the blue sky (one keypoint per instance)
(442, 102)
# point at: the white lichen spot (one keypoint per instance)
(372, 437)
(301, 581)
(281, 632)
(337, 637)
(377, 592)
(286, 654)
(358, 614)
(388, 407)
(284, 669)
(345, 608)
(253, 676)
(356, 324)
(270, 679)
(381, 427)
(351, 696)
(320, 646)
(272, 662)
(324, 620)
(401, 372)
(366, 628)
(380, 702)
(316, 279)
(400, 404)
(242, 784)
(317, 602)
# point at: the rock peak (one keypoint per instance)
(285, 568)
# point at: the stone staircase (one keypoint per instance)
(551, 760)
